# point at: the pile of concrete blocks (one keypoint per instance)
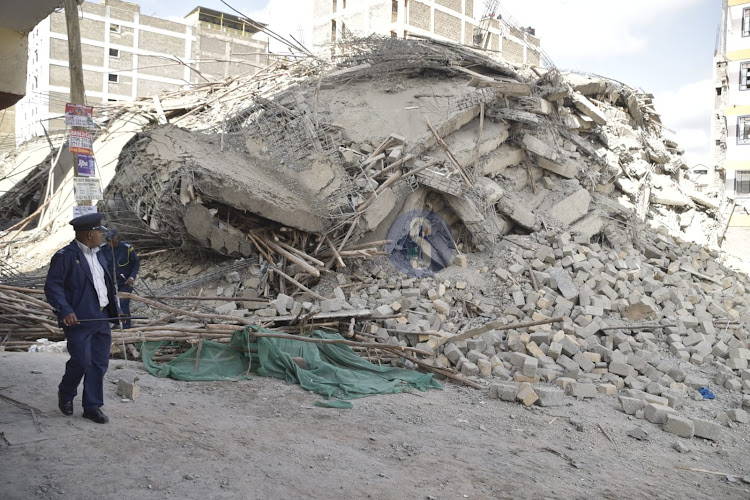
(644, 324)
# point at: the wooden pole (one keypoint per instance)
(75, 65)
(496, 325)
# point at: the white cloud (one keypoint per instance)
(687, 111)
(581, 28)
(286, 17)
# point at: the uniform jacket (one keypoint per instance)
(70, 288)
(128, 263)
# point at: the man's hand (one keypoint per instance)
(129, 282)
(70, 320)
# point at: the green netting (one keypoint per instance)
(332, 370)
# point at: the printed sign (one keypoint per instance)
(79, 210)
(86, 166)
(79, 142)
(77, 115)
(87, 188)
(419, 243)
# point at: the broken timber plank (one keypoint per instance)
(496, 325)
(448, 153)
(160, 110)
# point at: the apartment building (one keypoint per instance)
(127, 54)
(447, 20)
(731, 118)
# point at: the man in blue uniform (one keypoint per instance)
(79, 287)
(123, 263)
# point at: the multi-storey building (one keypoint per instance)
(448, 20)
(731, 119)
(127, 54)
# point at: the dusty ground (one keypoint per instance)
(263, 438)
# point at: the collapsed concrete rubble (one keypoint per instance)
(545, 182)
(350, 146)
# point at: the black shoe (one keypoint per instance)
(97, 416)
(65, 406)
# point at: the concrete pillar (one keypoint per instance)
(13, 56)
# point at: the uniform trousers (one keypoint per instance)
(89, 359)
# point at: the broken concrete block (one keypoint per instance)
(539, 147)
(441, 306)
(550, 396)
(485, 368)
(503, 392)
(706, 430)
(585, 363)
(639, 311)
(233, 277)
(621, 369)
(680, 426)
(607, 389)
(681, 447)
(589, 109)
(568, 169)
(580, 390)
(564, 283)
(128, 390)
(571, 208)
(225, 308)
(657, 414)
(571, 367)
(530, 366)
(738, 415)
(631, 405)
(527, 396)
(639, 434)
(452, 352)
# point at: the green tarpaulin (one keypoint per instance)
(332, 370)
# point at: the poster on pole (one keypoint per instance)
(78, 115)
(79, 142)
(87, 188)
(79, 210)
(86, 166)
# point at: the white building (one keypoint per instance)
(127, 54)
(447, 20)
(731, 119)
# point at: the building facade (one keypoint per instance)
(127, 54)
(447, 20)
(731, 119)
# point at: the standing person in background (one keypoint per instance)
(123, 263)
(82, 292)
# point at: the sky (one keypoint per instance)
(664, 47)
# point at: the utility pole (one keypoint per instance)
(75, 61)
(75, 64)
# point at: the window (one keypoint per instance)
(114, 52)
(743, 130)
(334, 5)
(114, 78)
(745, 75)
(333, 31)
(114, 28)
(742, 182)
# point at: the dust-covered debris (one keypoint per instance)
(547, 210)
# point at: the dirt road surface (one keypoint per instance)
(263, 438)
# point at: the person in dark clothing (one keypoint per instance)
(79, 287)
(124, 264)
